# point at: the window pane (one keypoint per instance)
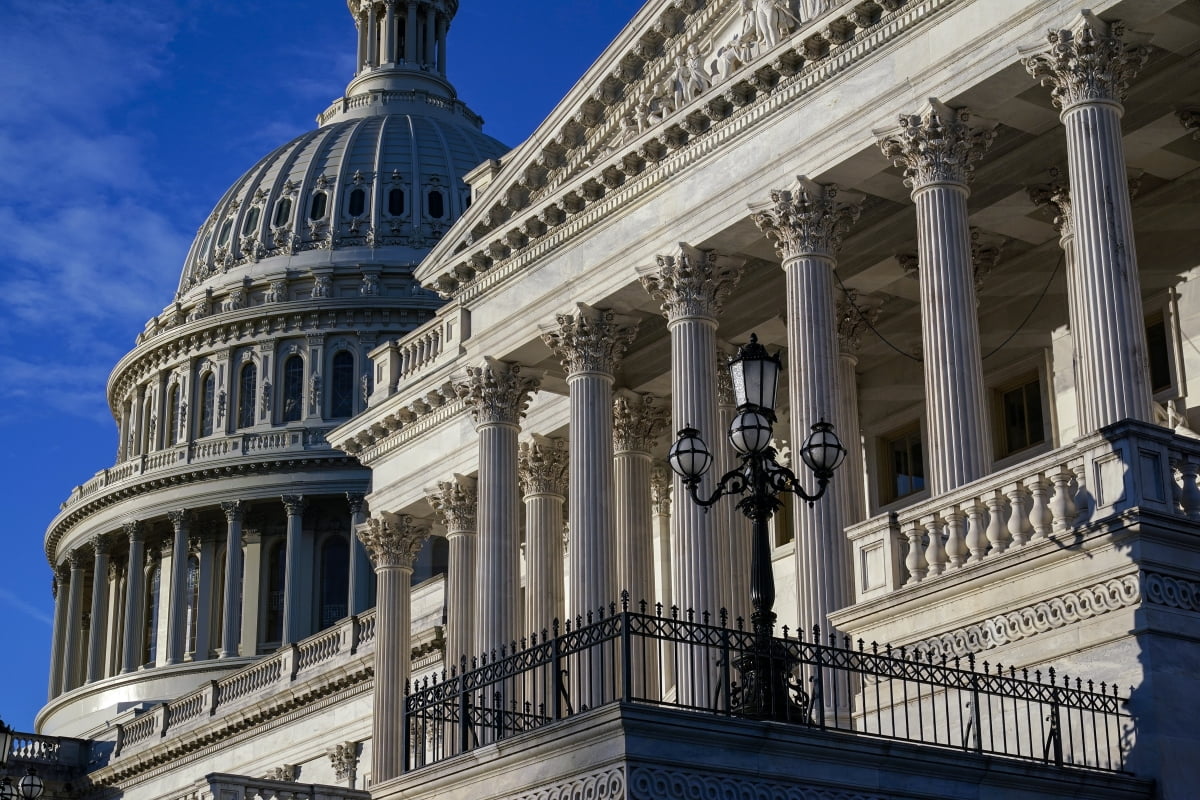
(396, 202)
(335, 580)
(208, 390)
(293, 389)
(437, 205)
(247, 390)
(173, 416)
(358, 203)
(341, 401)
(252, 217)
(1158, 350)
(283, 211)
(317, 211)
(276, 572)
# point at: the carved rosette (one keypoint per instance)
(854, 315)
(660, 490)
(937, 147)
(1055, 194)
(456, 502)
(392, 540)
(638, 421)
(497, 392)
(590, 340)
(692, 283)
(807, 220)
(1089, 65)
(543, 466)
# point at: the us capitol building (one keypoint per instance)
(392, 516)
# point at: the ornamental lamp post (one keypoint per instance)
(767, 682)
(31, 786)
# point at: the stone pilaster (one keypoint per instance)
(114, 619)
(231, 606)
(660, 502)
(497, 394)
(251, 590)
(938, 150)
(360, 563)
(205, 548)
(74, 642)
(691, 286)
(456, 502)
(392, 541)
(806, 224)
(1088, 70)
(59, 586)
(177, 614)
(855, 314)
(544, 465)
(295, 593)
(135, 598)
(99, 612)
(591, 343)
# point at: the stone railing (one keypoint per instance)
(238, 787)
(407, 97)
(271, 675)
(199, 452)
(1127, 466)
(398, 362)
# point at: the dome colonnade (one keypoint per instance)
(391, 32)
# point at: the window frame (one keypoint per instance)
(884, 477)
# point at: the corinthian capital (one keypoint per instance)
(855, 314)
(590, 339)
(1055, 195)
(134, 530)
(392, 540)
(660, 490)
(806, 220)
(456, 502)
(101, 543)
(542, 464)
(638, 421)
(497, 392)
(1089, 64)
(691, 283)
(938, 146)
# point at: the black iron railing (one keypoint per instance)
(844, 688)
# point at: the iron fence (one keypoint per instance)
(834, 685)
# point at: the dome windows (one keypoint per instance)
(319, 206)
(395, 206)
(208, 396)
(356, 202)
(251, 222)
(283, 211)
(293, 389)
(436, 204)
(341, 401)
(247, 389)
(223, 236)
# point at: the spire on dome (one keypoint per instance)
(402, 44)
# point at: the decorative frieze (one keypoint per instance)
(608, 784)
(590, 340)
(543, 464)
(638, 421)
(646, 783)
(497, 392)
(938, 146)
(692, 282)
(807, 220)
(1089, 64)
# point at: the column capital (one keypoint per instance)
(61, 577)
(1055, 195)
(855, 313)
(178, 518)
(233, 510)
(116, 571)
(134, 530)
(101, 543)
(456, 501)
(806, 220)
(590, 340)
(986, 249)
(294, 504)
(1088, 64)
(725, 396)
(937, 146)
(660, 490)
(392, 540)
(638, 421)
(356, 501)
(153, 555)
(497, 392)
(691, 282)
(543, 466)
(77, 558)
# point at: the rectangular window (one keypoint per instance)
(902, 464)
(1158, 349)
(1021, 422)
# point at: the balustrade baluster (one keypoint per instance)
(956, 546)
(1189, 495)
(1040, 518)
(976, 538)
(1018, 519)
(915, 560)
(1062, 504)
(935, 551)
(997, 533)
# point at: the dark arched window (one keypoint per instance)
(320, 202)
(437, 205)
(396, 202)
(208, 394)
(172, 421)
(148, 442)
(341, 388)
(252, 217)
(193, 610)
(293, 389)
(276, 575)
(247, 390)
(358, 203)
(226, 229)
(335, 580)
(283, 211)
(150, 633)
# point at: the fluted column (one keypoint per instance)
(938, 150)
(591, 343)
(544, 466)
(638, 421)
(806, 225)
(135, 599)
(231, 606)
(410, 35)
(430, 15)
(360, 562)
(99, 612)
(854, 314)
(1088, 71)
(206, 549)
(736, 541)
(59, 586)
(372, 36)
(442, 30)
(295, 623)
(177, 616)
(660, 499)
(456, 502)
(392, 542)
(74, 642)
(389, 32)
(113, 619)
(497, 394)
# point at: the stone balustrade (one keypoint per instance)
(398, 361)
(1125, 467)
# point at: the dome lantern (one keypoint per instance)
(402, 45)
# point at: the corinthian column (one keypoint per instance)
(392, 542)
(135, 599)
(591, 343)
(497, 394)
(806, 225)
(938, 151)
(231, 608)
(177, 616)
(1088, 70)
(74, 641)
(543, 468)
(58, 587)
(456, 501)
(638, 421)
(692, 286)
(660, 498)
(295, 588)
(95, 661)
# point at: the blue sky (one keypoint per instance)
(121, 124)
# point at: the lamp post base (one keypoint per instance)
(768, 690)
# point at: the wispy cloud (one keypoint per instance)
(25, 607)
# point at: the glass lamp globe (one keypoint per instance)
(823, 451)
(750, 432)
(689, 456)
(31, 786)
(755, 375)
(7, 790)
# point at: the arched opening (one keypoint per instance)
(208, 394)
(283, 211)
(150, 618)
(335, 580)
(276, 576)
(293, 389)
(148, 425)
(247, 390)
(396, 202)
(172, 422)
(341, 389)
(193, 607)
(320, 204)
(357, 205)
(437, 204)
(252, 218)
